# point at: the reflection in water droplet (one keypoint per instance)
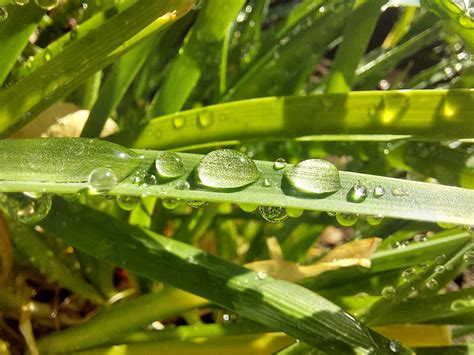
(273, 214)
(226, 169)
(315, 176)
(346, 219)
(128, 203)
(47, 4)
(30, 209)
(279, 164)
(409, 274)
(169, 166)
(431, 284)
(294, 212)
(388, 293)
(395, 346)
(399, 192)
(248, 207)
(205, 119)
(195, 203)
(374, 220)
(3, 13)
(379, 191)
(102, 180)
(358, 193)
(331, 213)
(170, 203)
(182, 185)
(439, 269)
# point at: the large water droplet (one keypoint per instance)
(273, 214)
(379, 191)
(248, 207)
(102, 180)
(170, 203)
(431, 284)
(128, 203)
(358, 193)
(169, 166)
(389, 293)
(47, 4)
(409, 274)
(294, 212)
(226, 169)
(279, 164)
(346, 219)
(30, 208)
(205, 119)
(3, 13)
(395, 346)
(315, 176)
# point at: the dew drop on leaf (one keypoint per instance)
(267, 182)
(47, 4)
(128, 203)
(22, 2)
(460, 305)
(358, 193)
(226, 169)
(3, 13)
(379, 191)
(195, 203)
(409, 274)
(294, 212)
(169, 166)
(205, 119)
(468, 257)
(395, 346)
(388, 293)
(102, 180)
(398, 191)
(170, 203)
(439, 269)
(374, 220)
(346, 219)
(279, 164)
(431, 284)
(446, 225)
(30, 208)
(314, 176)
(273, 214)
(182, 185)
(248, 207)
(178, 122)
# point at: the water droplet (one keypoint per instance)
(102, 180)
(375, 220)
(409, 274)
(440, 259)
(279, 164)
(47, 4)
(331, 213)
(170, 203)
(148, 179)
(21, 2)
(346, 219)
(389, 293)
(395, 346)
(379, 191)
(195, 203)
(468, 257)
(226, 169)
(182, 185)
(3, 13)
(248, 207)
(431, 284)
(205, 119)
(267, 182)
(460, 305)
(30, 209)
(47, 55)
(294, 212)
(439, 269)
(314, 176)
(71, 197)
(358, 193)
(261, 275)
(178, 122)
(399, 192)
(273, 214)
(446, 225)
(169, 166)
(128, 203)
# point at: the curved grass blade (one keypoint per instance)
(14, 35)
(435, 114)
(64, 173)
(277, 304)
(99, 47)
(203, 39)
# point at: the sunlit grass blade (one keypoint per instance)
(203, 39)
(65, 71)
(62, 173)
(14, 35)
(434, 114)
(302, 314)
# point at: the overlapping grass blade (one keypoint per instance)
(99, 47)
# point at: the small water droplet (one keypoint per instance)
(149, 179)
(273, 214)
(182, 185)
(346, 219)
(431, 284)
(169, 166)
(267, 182)
(279, 164)
(446, 225)
(375, 220)
(47, 55)
(399, 192)
(195, 203)
(440, 259)
(248, 207)
(439, 269)
(379, 191)
(102, 180)
(128, 203)
(47, 4)
(178, 121)
(331, 213)
(170, 203)
(294, 212)
(395, 346)
(226, 169)
(388, 293)
(205, 119)
(358, 193)
(261, 275)
(468, 257)
(3, 13)
(315, 176)
(409, 274)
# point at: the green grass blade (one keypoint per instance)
(14, 35)
(357, 34)
(61, 172)
(204, 39)
(467, 349)
(274, 303)
(436, 114)
(65, 71)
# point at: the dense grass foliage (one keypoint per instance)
(245, 176)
